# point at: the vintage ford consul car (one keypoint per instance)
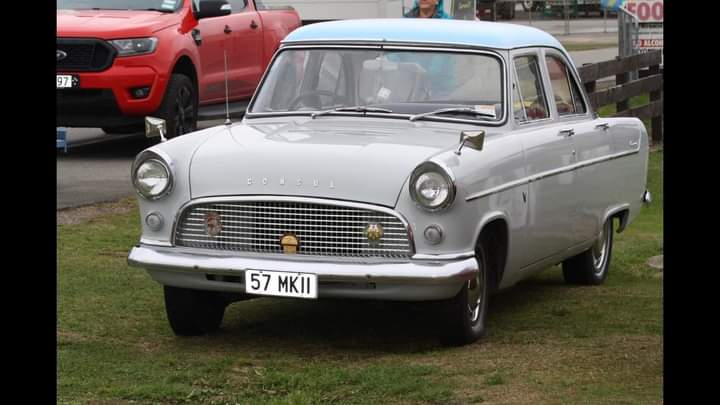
(410, 159)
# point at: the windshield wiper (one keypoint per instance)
(156, 9)
(357, 108)
(468, 110)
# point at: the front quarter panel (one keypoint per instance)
(485, 192)
(179, 151)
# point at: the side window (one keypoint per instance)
(238, 6)
(567, 93)
(529, 102)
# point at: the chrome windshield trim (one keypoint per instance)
(549, 173)
(393, 46)
(309, 200)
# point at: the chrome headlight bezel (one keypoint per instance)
(164, 161)
(134, 46)
(445, 174)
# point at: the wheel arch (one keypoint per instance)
(494, 237)
(621, 212)
(185, 66)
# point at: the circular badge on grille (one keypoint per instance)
(374, 232)
(213, 225)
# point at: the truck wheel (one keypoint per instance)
(126, 129)
(591, 266)
(179, 108)
(466, 312)
(193, 312)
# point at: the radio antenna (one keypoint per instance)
(227, 97)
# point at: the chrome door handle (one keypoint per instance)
(604, 126)
(567, 132)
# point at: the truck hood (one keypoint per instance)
(113, 24)
(365, 160)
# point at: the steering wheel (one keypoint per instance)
(300, 97)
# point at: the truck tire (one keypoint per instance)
(179, 107)
(591, 266)
(194, 312)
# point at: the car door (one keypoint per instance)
(548, 153)
(214, 42)
(245, 48)
(593, 144)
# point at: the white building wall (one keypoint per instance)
(348, 9)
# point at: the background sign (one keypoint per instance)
(649, 14)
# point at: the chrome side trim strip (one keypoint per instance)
(549, 173)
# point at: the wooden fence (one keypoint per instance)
(650, 81)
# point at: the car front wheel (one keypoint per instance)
(467, 311)
(194, 312)
(591, 266)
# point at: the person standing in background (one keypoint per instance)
(427, 9)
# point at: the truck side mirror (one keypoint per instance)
(212, 8)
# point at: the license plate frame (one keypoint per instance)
(64, 82)
(281, 284)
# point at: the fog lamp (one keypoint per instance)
(154, 221)
(434, 234)
(140, 92)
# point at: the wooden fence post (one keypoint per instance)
(620, 79)
(656, 123)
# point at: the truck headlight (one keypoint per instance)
(151, 176)
(432, 187)
(135, 46)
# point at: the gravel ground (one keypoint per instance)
(77, 215)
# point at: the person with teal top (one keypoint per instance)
(427, 9)
(439, 68)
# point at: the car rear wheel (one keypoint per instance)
(591, 266)
(467, 311)
(179, 108)
(194, 312)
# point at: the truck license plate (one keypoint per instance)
(281, 284)
(67, 81)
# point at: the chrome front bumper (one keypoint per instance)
(413, 280)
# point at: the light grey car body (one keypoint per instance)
(547, 194)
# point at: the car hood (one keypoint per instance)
(364, 160)
(112, 24)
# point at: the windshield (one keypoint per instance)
(162, 5)
(404, 81)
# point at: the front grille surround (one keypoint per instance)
(325, 228)
(85, 55)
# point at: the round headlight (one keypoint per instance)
(432, 187)
(152, 178)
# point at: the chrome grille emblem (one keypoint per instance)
(213, 226)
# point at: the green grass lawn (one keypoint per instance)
(547, 342)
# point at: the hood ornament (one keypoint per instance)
(60, 55)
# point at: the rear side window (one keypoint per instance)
(567, 94)
(529, 102)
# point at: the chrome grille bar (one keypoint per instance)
(322, 229)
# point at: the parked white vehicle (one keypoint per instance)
(394, 159)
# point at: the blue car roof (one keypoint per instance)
(424, 30)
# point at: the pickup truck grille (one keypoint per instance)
(322, 230)
(84, 55)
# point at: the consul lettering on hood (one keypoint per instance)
(283, 181)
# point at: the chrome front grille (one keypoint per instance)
(322, 229)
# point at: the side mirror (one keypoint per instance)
(474, 139)
(212, 8)
(155, 127)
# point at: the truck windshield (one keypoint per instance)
(405, 81)
(159, 5)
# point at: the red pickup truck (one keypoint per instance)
(120, 60)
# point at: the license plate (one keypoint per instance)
(281, 284)
(67, 81)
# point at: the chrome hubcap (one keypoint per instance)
(474, 291)
(599, 250)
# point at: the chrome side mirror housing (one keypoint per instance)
(155, 127)
(474, 139)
